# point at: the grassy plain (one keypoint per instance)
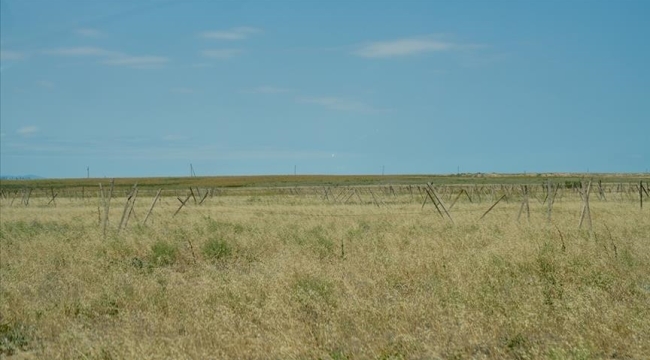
(300, 277)
(319, 180)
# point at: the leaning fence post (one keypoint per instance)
(107, 207)
(373, 198)
(456, 199)
(641, 194)
(491, 207)
(524, 203)
(440, 202)
(204, 196)
(585, 207)
(153, 203)
(433, 201)
(52, 200)
(128, 208)
(550, 202)
(182, 204)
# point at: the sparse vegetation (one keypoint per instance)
(216, 249)
(300, 276)
(163, 253)
(13, 337)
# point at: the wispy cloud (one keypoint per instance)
(12, 55)
(89, 33)
(169, 147)
(27, 130)
(337, 103)
(140, 62)
(82, 51)
(238, 33)
(268, 90)
(45, 84)
(274, 154)
(221, 54)
(407, 47)
(113, 58)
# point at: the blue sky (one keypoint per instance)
(146, 88)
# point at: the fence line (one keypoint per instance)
(383, 197)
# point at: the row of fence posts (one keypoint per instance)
(477, 191)
(428, 191)
(129, 205)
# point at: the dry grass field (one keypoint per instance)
(282, 276)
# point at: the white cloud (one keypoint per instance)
(221, 53)
(238, 33)
(89, 33)
(169, 147)
(268, 90)
(11, 55)
(45, 84)
(82, 51)
(337, 103)
(27, 130)
(137, 61)
(272, 154)
(113, 58)
(406, 47)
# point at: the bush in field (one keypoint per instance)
(164, 253)
(216, 249)
(13, 337)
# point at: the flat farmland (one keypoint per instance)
(326, 269)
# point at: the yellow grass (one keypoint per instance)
(297, 276)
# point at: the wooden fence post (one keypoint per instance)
(601, 192)
(107, 207)
(182, 204)
(128, 208)
(550, 201)
(524, 203)
(492, 207)
(52, 200)
(192, 193)
(204, 197)
(153, 203)
(641, 194)
(585, 207)
(440, 202)
(433, 201)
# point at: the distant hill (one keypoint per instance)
(20, 177)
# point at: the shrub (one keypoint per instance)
(310, 289)
(216, 249)
(164, 253)
(13, 337)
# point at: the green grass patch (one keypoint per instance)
(14, 336)
(216, 249)
(164, 253)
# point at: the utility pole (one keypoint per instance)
(88, 172)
